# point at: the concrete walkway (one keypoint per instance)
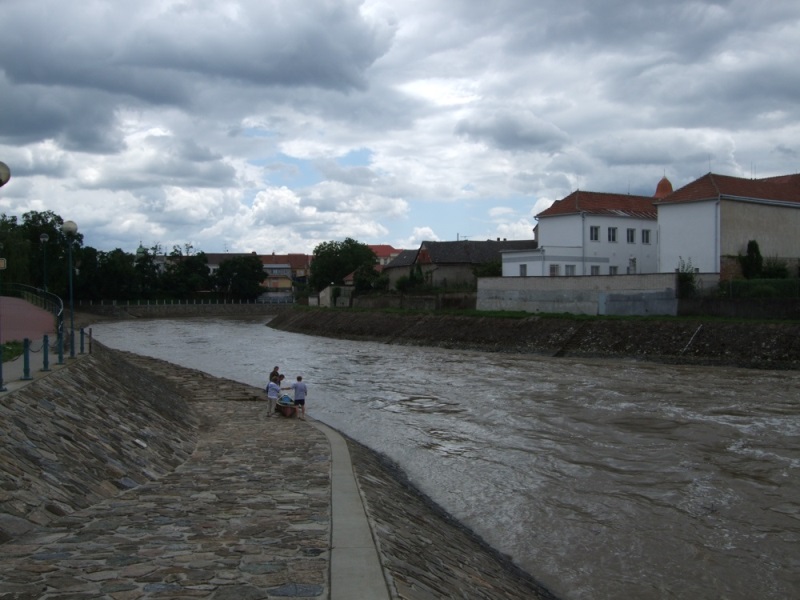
(20, 319)
(356, 570)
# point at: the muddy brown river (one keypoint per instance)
(603, 479)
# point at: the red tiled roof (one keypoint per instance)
(384, 250)
(599, 203)
(784, 188)
(295, 261)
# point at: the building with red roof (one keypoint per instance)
(708, 223)
(592, 233)
(704, 225)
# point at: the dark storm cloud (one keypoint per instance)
(513, 131)
(169, 57)
(199, 118)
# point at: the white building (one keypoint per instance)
(592, 233)
(709, 222)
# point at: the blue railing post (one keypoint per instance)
(3, 387)
(46, 353)
(60, 346)
(26, 360)
(81, 340)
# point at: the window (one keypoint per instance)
(612, 270)
(554, 270)
(523, 270)
(631, 236)
(645, 236)
(569, 270)
(594, 233)
(612, 234)
(595, 270)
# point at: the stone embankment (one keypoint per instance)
(769, 345)
(127, 477)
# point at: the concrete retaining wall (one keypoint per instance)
(621, 295)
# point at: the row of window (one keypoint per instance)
(569, 270)
(594, 234)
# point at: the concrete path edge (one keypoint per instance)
(356, 570)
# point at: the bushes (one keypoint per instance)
(760, 288)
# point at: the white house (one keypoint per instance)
(592, 233)
(708, 222)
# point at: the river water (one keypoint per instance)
(603, 479)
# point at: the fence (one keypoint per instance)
(20, 367)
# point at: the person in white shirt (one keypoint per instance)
(300, 391)
(273, 390)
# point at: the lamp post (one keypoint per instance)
(43, 238)
(70, 228)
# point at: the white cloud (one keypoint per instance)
(263, 126)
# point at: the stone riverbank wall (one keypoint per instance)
(769, 345)
(85, 433)
(112, 421)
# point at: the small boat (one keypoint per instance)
(285, 406)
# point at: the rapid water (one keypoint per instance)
(603, 479)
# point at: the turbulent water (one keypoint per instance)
(603, 479)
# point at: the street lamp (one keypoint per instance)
(70, 228)
(44, 239)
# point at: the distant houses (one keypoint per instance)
(452, 264)
(705, 226)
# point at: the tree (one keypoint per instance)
(240, 277)
(15, 251)
(492, 268)
(148, 277)
(117, 275)
(364, 277)
(752, 262)
(333, 261)
(187, 274)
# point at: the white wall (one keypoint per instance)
(689, 231)
(621, 295)
(565, 240)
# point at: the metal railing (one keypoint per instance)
(29, 348)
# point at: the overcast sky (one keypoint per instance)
(274, 125)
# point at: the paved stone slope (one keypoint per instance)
(84, 434)
(426, 553)
(127, 477)
(774, 345)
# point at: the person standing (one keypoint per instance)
(273, 390)
(275, 373)
(300, 391)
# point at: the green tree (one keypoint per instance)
(774, 268)
(333, 261)
(687, 283)
(752, 262)
(240, 277)
(16, 251)
(148, 277)
(490, 269)
(117, 274)
(187, 275)
(365, 277)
